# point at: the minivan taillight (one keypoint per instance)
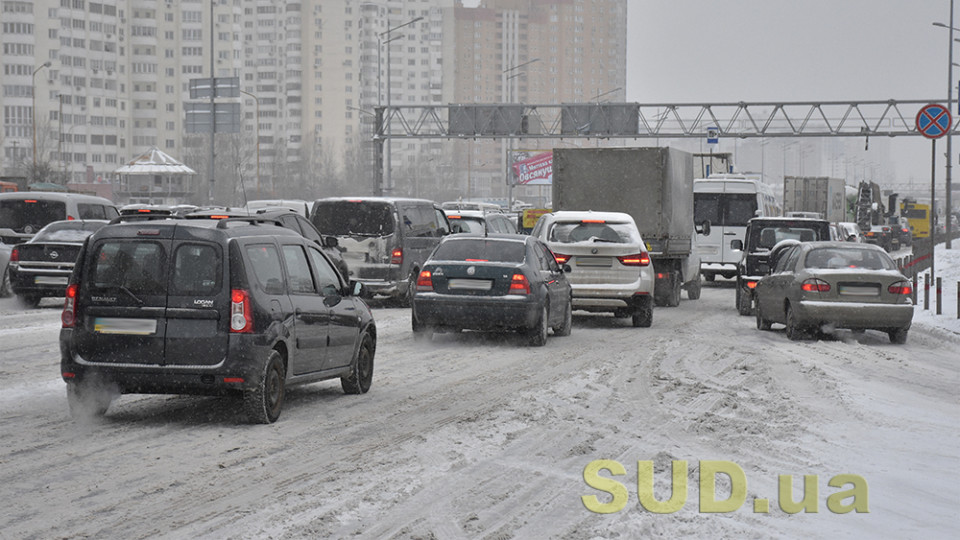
(241, 318)
(425, 281)
(640, 259)
(519, 284)
(396, 256)
(68, 317)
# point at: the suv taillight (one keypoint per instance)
(425, 281)
(396, 256)
(815, 285)
(640, 259)
(561, 259)
(241, 318)
(519, 284)
(68, 317)
(15, 255)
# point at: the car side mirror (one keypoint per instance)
(705, 228)
(736, 245)
(331, 241)
(356, 288)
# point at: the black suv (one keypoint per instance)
(763, 233)
(238, 306)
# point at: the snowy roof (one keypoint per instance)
(154, 161)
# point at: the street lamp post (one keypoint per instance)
(949, 160)
(33, 113)
(257, 119)
(508, 84)
(380, 36)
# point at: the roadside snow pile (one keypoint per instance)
(947, 267)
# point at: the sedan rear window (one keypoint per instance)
(480, 249)
(572, 232)
(836, 258)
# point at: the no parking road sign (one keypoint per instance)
(933, 121)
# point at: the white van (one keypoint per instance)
(23, 213)
(728, 201)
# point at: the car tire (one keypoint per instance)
(5, 289)
(693, 290)
(762, 323)
(793, 331)
(898, 335)
(86, 401)
(407, 299)
(421, 332)
(643, 314)
(537, 336)
(744, 302)
(361, 371)
(28, 301)
(564, 328)
(264, 402)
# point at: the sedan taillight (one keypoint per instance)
(901, 287)
(425, 281)
(68, 317)
(241, 318)
(815, 285)
(640, 259)
(519, 284)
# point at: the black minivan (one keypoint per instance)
(239, 306)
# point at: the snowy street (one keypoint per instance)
(478, 436)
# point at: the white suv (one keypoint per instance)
(610, 269)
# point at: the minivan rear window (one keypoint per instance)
(357, 218)
(139, 267)
(30, 215)
(197, 270)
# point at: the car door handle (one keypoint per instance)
(729, 234)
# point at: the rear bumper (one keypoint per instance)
(610, 295)
(243, 361)
(476, 313)
(855, 314)
(25, 283)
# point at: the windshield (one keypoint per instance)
(29, 215)
(834, 258)
(345, 218)
(580, 231)
(725, 209)
(480, 249)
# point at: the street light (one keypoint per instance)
(950, 132)
(257, 101)
(508, 83)
(33, 113)
(380, 36)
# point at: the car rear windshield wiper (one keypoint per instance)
(126, 291)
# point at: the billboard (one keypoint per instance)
(532, 168)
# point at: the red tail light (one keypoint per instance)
(425, 281)
(815, 285)
(901, 287)
(640, 259)
(396, 256)
(241, 317)
(68, 317)
(15, 255)
(519, 284)
(561, 259)
(751, 284)
(70, 218)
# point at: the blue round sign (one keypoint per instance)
(934, 121)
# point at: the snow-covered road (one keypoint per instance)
(472, 436)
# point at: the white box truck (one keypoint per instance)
(820, 195)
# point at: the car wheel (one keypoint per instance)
(407, 299)
(5, 290)
(28, 300)
(87, 401)
(563, 329)
(361, 374)
(744, 302)
(898, 336)
(643, 315)
(762, 323)
(264, 403)
(693, 290)
(538, 334)
(793, 330)
(421, 332)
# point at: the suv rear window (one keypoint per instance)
(570, 232)
(19, 214)
(197, 270)
(138, 267)
(480, 249)
(345, 218)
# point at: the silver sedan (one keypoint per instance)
(818, 286)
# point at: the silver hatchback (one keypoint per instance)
(610, 268)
